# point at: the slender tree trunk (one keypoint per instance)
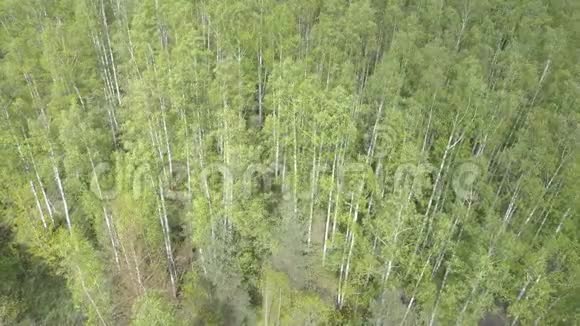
(113, 244)
(91, 300)
(62, 195)
(327, 225)
(38, 206)
(167, 239)
(157, 145)
(434, 313)
(260, 87)
(426, 137)
(312, 190)
(347, 268)
(370, 150)
(295, 167)
(266, 307)
(415, 291)
(44, 195)
(522, 294)
(169, 158)
(338, 192)
(137, 271)
(279, 306)
(106, 215)
(396, 236)
(559, 228)
(277, 154)
(106, 27)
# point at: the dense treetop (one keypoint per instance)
(308, 162)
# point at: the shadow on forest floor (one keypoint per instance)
(31, 293)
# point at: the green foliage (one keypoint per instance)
(152, 309)
(289, 162)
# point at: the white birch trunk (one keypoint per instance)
(169, 158)
(295, 167)
(62, 195)
(559, 228)
(434, 313)
(38, 206)
(312, 190)
(42, 190)
(266, 307)
(167, 238)
(277, 154)
(137, 271)
(372, 144)
(110, 53)
(260, 86)
(415, 291)
(108, 222)
(327, 224)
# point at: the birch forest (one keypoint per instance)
(276, 162)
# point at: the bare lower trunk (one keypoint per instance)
(63, 197)
(327, 224)
(169, 158)
(38, 206)
(434, 313)
(415, 291)
(108, 222)
(167, 239)
(137, 271)
(312, 194)
(44, 195)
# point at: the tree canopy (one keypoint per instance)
(267, 162)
